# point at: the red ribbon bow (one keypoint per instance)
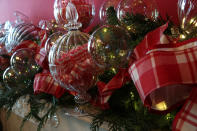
(165, 75)
(44, 82)
(106, 90)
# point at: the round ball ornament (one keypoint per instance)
(147, 8)
(19, 33)
(13, 79)
(187, 14)
(22, 61)
(85, 9)
(105, 6)
(109, 47)
(69, 61)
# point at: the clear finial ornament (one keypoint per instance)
(106, 5)
(69, 61)
(72, 17)
(85, 8)
(147, 8)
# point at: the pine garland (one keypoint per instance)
(126, 112)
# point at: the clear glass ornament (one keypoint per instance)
(52, 39)
(20, 33)
(69, 61)
(51, 26)
(109, 47)
(22, 61)
(7, 26)
(147, 8)
(13, 79)
(187, 14)
(2, 36)
(45, 24)
(85, 9)
(3, 50)
(163, 99)
(104, 8)
(4, 30)
(21, 18)
(59, 11)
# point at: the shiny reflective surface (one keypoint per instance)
(85, 9)
(22, 61)
(105, 6)
(69, 61)
(187, 13)
(52, 39)
(165, 98)
(147, 8)
(20, 33)
(13, 79)
(109, 47)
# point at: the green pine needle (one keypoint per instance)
(126, 112)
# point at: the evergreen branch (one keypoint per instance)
(126, 112)
(11, 96)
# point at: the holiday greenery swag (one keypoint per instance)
(25, 69)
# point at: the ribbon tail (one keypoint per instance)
(164, 73)
(41, 58)
(106, 90)
(44, 82)
(186, 119)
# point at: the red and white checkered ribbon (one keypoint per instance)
(76, 68)
(41, 58)
(44, 82)
(165, 75)
(186, 119)
(43, 37)
(106, 90)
